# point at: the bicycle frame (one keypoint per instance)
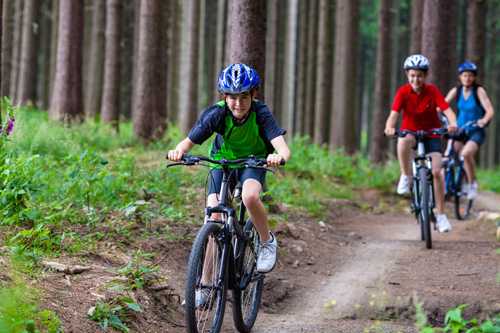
(421, 161)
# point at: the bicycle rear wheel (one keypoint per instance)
(205, 274)
(247, 293)
(425, 213)
(463, 205)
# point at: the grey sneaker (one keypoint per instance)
(472, 192)
(443, 225)
(267, 255)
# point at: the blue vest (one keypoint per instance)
(469, 109)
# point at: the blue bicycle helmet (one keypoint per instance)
(237, 78)
(467, 66)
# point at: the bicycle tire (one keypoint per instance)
(463, 205)
(247, 294)
(197, 319)
(425, 214)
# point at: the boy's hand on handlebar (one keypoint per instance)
(390, 131)
(452, 128)
(175, 155)
(274, 160)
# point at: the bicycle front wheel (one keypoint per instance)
(206, 283)
(425, 210)
(247, 293)
(462, 204)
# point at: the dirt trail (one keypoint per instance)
(386, 267)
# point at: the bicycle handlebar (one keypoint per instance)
(249, 162)
(420, 134)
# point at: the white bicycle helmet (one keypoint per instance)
(416, 61)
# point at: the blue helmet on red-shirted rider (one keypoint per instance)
(237, 78)
(467, 66)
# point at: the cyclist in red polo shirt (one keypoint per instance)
(420, 103)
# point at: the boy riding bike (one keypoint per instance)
(245, 127)
(420, 103)
(473, 106)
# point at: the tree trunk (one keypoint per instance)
(127, 47)
(302, 59)
(16, 51)
(53, 47)
(110, 107)
(67, 102)
(248, 22)
(289, 77)
(189, 106)
(323, 73)
(343, 127)
(271, 53)
(174, 61)
(149, 111)
(7, 46)
(93, 91)
(439, 42)
(29, 49)
(476, 32)
(378, 147)
(220, 40)
(417, 9)
(43, 62)
(312, 52)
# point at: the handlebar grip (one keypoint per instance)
(282, 162)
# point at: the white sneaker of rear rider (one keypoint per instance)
(403, 185)
(472, 192)
(443, 225)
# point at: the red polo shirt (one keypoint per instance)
(419, 110)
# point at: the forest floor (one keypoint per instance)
(361, 270)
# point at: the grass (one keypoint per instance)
(489, 180)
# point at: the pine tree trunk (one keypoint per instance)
(312, 52)
(67, 102)
(127, 47)
(189, 106)
(476, 31)
(343, 127)
(247, 34)
(289, 75)
(220, 40)
(271, 52)
(29, 47)
(323, 73)
(302, 59)
(7, 46)
(93, 91)
(16, 51)
(439, 42)
(417, 9)
(110, 107)
(174, 61)
(149, 111)
(378, 147)
(53, 48)
(43, 64)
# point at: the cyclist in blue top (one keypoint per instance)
(473, 105)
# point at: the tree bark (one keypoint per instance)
(43, 63)
(8, 12)
(247, 35)
(302, 60)
(174, 61)
(343, 127)
(439, 41)
(67, 102)
(289, 64)
(312, 52)
(29, 47)
(220, 40)
(110, 107)
(271, 52)
(93, 91)
(53, 47)
(323, 73)
(149, 111)
(417, 9)
(16, 51)
(378, 146)
(476, 34)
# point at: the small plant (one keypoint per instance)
(455, 323)
(114, 313)
(137, 273)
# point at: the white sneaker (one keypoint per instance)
(465, 188)
(201, 298)
(403, 185)
(443, 225)
(472, 192)
(267, 255)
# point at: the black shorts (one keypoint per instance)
(215, 178)
(478, 135)
(432, 145)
